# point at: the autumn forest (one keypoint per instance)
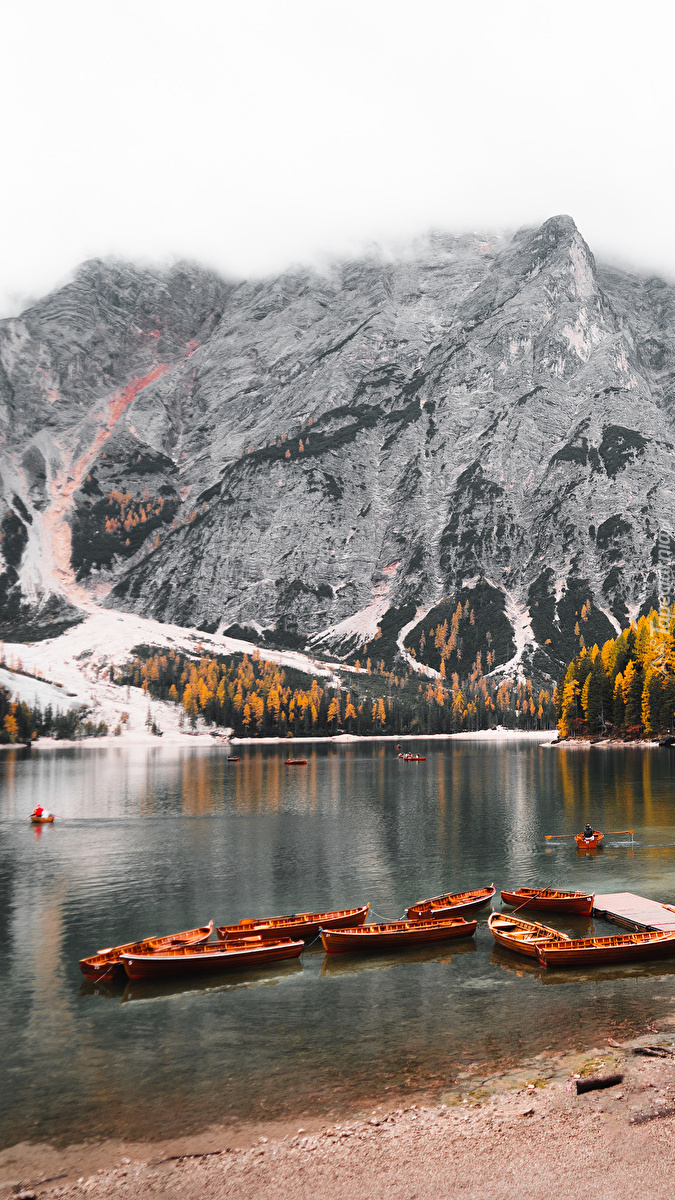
(624, 689)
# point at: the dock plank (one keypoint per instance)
(625, 908)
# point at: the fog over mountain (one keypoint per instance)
(313, 455)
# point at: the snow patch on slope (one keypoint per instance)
(361, 626)
(421, 668)
(106, 638)
(518, 615)
(35, 691)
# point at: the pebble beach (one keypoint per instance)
(524, 1130)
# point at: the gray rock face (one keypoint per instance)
(330, 448)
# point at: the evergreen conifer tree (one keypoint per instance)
(667, 706)
(632, 690)
(594, 711)
(618, 706)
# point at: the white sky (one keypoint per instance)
(253, 134)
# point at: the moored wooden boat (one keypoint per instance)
(551, 899)
(589, 843)
(106, 964)
(218, 956)
(394, 934)
(451, 904)
(522, 937)
(621, 947)
(295, 762)
(296, 925)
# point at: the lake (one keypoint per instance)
(150, 841)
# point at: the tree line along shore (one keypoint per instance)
(259, 698)
(623, 690)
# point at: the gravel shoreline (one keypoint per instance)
(538, 1136)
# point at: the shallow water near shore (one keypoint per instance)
(149, 841)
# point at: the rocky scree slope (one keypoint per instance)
(319, 456)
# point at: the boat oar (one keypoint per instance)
(612, 833)
(528, 901)
(531, 898)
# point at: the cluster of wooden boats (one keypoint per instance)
(269, 939)
(555, 949)
(441, 918)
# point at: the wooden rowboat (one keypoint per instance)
(451, 904)
(394, 934)
(622, 947)
(297, 925)
(551, 899)
(221, 956)
(42, 820)
(522, 937)
(589, 843)
(106, 964)
(295, 762)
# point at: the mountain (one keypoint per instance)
(329, 459)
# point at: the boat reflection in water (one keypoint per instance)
(353, 964)
(590, 851)
(658, 969)
(517, 964)
(144, 990)
(111, 989)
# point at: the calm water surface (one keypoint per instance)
(152, 841)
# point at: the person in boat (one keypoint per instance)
(37, 812)
(589, 831)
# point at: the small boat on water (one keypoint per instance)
(451, 904)
(594, 951)
(413, 757)
(295, 762)
(40, 816)
(296, 925)
(394, 934)
(106, 964)
(221, 956)
(522, 937)
(551, 899)
(233, 758)
(589, 843)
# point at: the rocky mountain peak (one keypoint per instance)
(322, 456)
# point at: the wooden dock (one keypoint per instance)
(634, 912)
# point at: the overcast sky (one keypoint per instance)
(253, 134)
